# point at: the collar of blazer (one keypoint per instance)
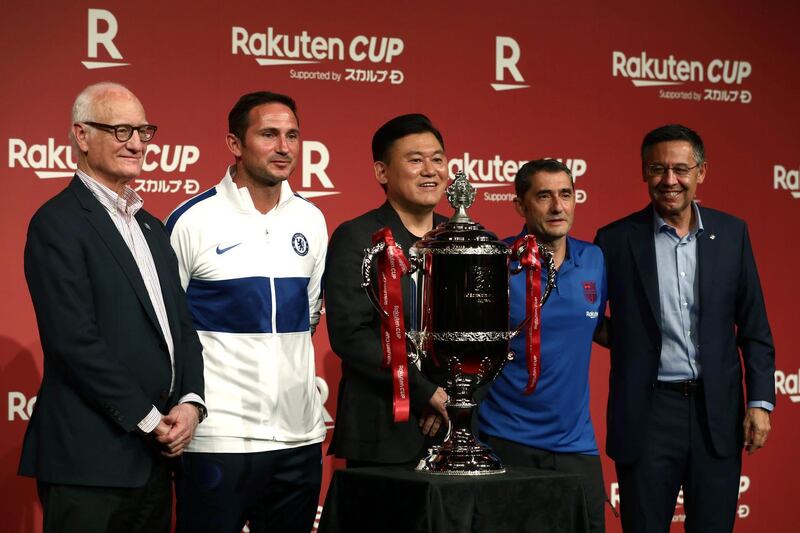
(108, 233)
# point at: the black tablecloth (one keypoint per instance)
(387, 499)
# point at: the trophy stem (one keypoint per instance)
(461, 453)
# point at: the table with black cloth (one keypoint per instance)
(396, 498)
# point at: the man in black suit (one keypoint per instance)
(685, 303)
(123, 373)
(410, 165)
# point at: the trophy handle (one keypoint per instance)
(546, 257)
(366, 275)
(417, 340)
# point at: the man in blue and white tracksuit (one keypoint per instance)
(552, 427)
(251, 255)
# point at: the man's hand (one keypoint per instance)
(437, 402)
(756, 429)
(181, 421)
(430, 423)
(435, 414)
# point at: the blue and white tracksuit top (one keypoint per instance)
(253, 284)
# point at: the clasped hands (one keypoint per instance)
(175, 430)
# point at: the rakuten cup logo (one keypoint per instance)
(786, 179)
(371, 57)
(50, 160)
(726, 76)
(316, 158)
(101, 30)
(499, 172)
(507, 55)
(19, 406)
(788, 384)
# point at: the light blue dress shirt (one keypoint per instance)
(676, 262)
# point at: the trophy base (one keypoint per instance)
(473, 459)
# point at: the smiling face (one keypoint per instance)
(548, 205)
(269, 152)
(671, 194)
(101, 155)
(415, 173)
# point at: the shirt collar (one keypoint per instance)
(568, 257)
(128, 202)
(241, 196)
(660, 225)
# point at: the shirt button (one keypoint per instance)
(683, 274)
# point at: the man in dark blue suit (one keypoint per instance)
(686, 303)
(123, 371)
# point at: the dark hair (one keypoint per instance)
(674, 132)
(238, 118)
(398, 128)
(522, 181)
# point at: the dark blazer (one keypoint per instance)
(106, 362)
(365, 429)
(732, 319)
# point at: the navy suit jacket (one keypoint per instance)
(106, 362)
(365, 429)
(732, 320)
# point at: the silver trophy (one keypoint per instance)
(459, 331)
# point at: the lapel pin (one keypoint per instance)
(712, 236)
(147, 226)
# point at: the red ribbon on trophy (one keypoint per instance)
(392, 265)
(529, 259)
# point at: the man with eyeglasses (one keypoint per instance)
(122, 387)
(251, 255)
(686, 303)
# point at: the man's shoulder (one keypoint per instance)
(586, 256)
(365, 222)
(643, 216)
(716, 217)
(584, 248)
(191, 208)
(60, 207)
(304, 207)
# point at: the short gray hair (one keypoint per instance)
(83, 108)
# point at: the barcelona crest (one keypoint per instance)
(590, 291)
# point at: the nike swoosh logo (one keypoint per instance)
(221, 251)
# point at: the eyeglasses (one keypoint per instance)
(655, 170)
(123, 132)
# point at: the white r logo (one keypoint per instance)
(508, 63)
(102, 38)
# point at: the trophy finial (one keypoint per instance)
(461, 195)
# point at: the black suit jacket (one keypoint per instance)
(365, 429)
(106, 362)
(732, 319)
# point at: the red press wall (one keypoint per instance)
(505, 82)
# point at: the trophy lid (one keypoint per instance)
(461, 234)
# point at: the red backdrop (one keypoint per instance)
(580, 81)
